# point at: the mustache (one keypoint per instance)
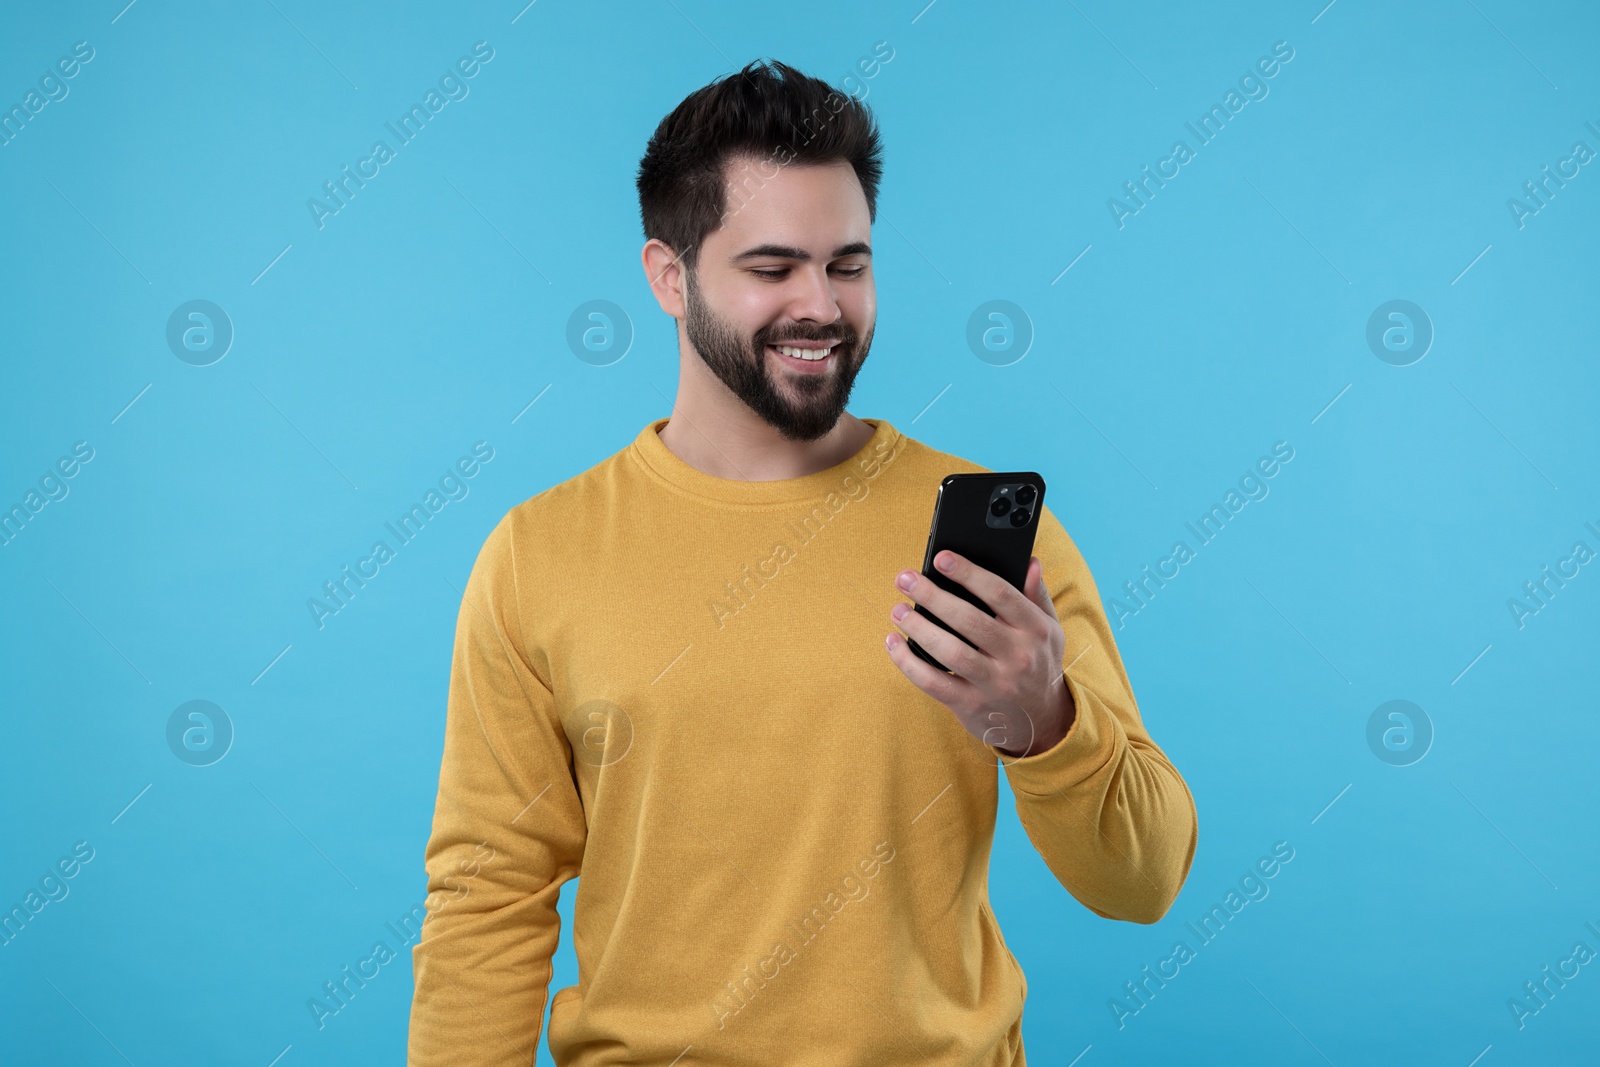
(836, 338)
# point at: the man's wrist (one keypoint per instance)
(1052, 726)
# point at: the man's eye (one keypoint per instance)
(848, 272)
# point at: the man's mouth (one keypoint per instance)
(809, 352)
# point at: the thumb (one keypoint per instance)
(1036, 587)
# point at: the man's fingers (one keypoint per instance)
(983, 630)
(930, 679)
(1036, 587)
(966, 661)
(1008, 602)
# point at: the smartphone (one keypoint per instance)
(989, 519)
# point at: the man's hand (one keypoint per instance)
(1010, 691)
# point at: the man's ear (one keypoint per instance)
(665, 271)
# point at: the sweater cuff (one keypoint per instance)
(1090, 742)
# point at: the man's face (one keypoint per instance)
(791, 262)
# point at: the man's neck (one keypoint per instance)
(748, 449)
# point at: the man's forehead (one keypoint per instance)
(800, 211)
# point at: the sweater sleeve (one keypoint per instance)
(508, 830)
(1106, 809)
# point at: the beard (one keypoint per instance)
(802, 408)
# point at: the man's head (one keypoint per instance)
(758, 194)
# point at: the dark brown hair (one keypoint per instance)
(771, 112)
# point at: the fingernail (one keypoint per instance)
(906, 580)
(945, 563)
(900, 611)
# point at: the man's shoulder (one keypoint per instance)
(598, 488)
(587, 491)
(936, 463)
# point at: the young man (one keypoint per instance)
(670, 673)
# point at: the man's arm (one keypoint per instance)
(508, 830)
(1110, 815)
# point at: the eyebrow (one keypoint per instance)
(774, 251)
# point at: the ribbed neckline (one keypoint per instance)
(664, 463)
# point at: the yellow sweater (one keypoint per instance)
(676, 685)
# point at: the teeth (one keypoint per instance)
(808, 354)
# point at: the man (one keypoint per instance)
(670, 673)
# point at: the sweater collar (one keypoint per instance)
(665, 464)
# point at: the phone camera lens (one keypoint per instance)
(1025, 495)
(1019, 517)
(1000, 506)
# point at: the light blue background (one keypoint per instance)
(1225, 316)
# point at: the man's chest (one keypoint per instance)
(718, 663)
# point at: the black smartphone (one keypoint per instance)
(989, 519)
